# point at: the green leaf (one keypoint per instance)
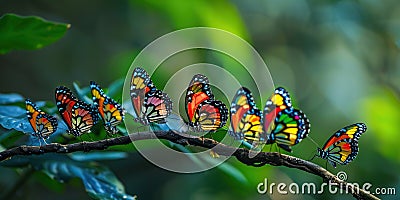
(14, 117)
(99, 181)
(18, 32)
(10, 98)
(115, 87)
(96, 156)
(81, 93)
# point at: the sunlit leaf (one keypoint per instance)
(18, 32)
(382, 113)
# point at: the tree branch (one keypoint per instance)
(261, 159)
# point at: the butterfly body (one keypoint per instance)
(42, 123)
(110, 111)
(342, 146)
(78, 115)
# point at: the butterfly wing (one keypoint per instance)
(342, 147)
(211, 115)
(79, 116)
(245, 118)
(42, 123)
(289, 128)
(141, 84)
(198, 91)
(157, 106)
(241, 103)
(110, 111)
(251, 129)
(277, 102)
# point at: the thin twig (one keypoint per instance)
(262, 158)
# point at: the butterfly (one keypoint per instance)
(342, 147)
(42, 123)
(150, 104)
(289, 128)
(279, 123)
(246, 118)
(203, 112)
(79, 116)
(110, 111)
(283, 124)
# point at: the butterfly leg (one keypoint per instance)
(326, 165)
(332, 163)
(312, 158)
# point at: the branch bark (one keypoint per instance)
(261, 159)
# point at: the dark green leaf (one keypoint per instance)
(232, 171)
(82, 92)
(18, 32)
(99, 181)
(115, 87)
(10, 98)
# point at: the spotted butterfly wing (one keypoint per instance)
(157, 107)
(289, 127)
(141, 85)
(198, 91)
(278, 101)
(342, 147)
(246, 118)
(211, 115)
(110, 111)
(79, 116)
(42, 123)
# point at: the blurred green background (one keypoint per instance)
(340, 61)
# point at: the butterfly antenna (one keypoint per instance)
(45, 141)
(111, 135)
(312, 158)
(316, 144)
